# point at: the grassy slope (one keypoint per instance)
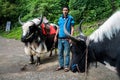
(15, 33)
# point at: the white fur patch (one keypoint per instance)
(36, 21)
(110, 27)
(26, 25)
(110, 67)
(33, 49)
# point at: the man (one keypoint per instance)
(63, 41)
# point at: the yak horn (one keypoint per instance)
(22, 23)
(80, 29)
(41, 20)
(68, 34)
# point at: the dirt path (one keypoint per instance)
(12, 59)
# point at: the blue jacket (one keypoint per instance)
(61, 22)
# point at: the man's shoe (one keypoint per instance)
(66, 69)
(59, 68)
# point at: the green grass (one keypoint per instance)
(14, 33)
(87, 28)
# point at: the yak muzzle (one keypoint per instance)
(23, 39)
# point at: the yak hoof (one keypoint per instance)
(24, 68)
(37, 64)
(31, 62)
(50, 54)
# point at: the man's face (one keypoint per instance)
(65, 11)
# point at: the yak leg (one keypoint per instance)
(118, 66)
(55, 51)
(96, 64)
(31, 59)
(50, 53)
(51, 50)
(38, 62)
(53, 47)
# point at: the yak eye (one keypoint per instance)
(31, 27)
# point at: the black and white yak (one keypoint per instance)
(38, 38)
(103, 45)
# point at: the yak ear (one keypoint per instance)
(22, 23)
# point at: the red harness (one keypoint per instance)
(52, 29)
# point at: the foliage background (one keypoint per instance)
(92, 11)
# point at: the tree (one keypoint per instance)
(91, 10)
(7, 12)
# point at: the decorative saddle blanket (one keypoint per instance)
(48, 29)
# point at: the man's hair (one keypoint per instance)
(65, 7)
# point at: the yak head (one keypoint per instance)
(30, 29)
(78, 50)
